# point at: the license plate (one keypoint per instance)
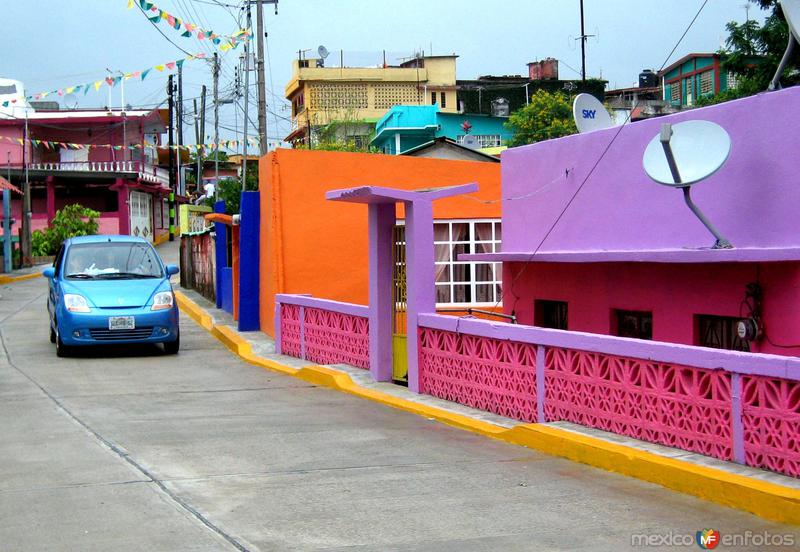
(121, 323)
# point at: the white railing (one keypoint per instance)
(87, 166)
(145, 171)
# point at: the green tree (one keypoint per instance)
(548, 115)
(753, 51)
(229, 190)
(73, 220)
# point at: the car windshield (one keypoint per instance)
(112, 260)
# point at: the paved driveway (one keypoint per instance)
(130, 450)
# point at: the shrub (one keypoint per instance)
(73, 220)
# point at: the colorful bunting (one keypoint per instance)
(114, 81)
(54, 145)
(187, 29)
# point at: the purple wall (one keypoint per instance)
(753, 199)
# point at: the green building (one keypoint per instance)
(693, 77)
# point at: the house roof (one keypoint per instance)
(587, 198)
(683, 60)
(445, 142)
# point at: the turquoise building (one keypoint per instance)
(693, 77)
(406, 127)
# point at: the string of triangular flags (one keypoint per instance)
(225, 42)
(110, 81)
(55, 145)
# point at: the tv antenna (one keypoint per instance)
(791, 11)
(590, 114)
(686, 153)
(323, 52)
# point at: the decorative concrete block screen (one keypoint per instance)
(677, 406)
(743, 407)
(489, 374)
(325, 332)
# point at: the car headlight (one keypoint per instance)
(75, 303)
(163, 300)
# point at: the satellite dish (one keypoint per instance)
(471, 142)
(323, 52)
(70, 101)
(684, 154)
(791, 11)
(590, 114)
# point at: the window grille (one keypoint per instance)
(733, 80)
(706, 83)
(719, 332)
(338, 96)
(388, 95)
(637, 324)
(550, 314)
(675, 91)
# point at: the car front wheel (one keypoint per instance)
(61, 349)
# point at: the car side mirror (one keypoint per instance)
(49, 272)
(172, 269)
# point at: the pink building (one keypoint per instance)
(625, 257)
(126, 185)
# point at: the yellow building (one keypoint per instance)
(354, 98)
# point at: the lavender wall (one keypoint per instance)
(752, 200)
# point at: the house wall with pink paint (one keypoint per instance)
(675, 294)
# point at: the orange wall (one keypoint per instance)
(310, 245)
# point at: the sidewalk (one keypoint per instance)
(766, 494)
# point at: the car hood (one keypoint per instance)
(116, 293)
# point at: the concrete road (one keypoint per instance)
(126, 449)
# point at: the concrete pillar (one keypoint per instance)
(420, 276)
(123, 211)
(381, 226)
(50, 182)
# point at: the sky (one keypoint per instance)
(57, 44)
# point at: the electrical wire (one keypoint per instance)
(529, 259)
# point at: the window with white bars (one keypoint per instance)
(484, 140)
(706, 83)
(733, 80)
(465, 282)
(675, 91)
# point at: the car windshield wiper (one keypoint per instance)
(82, 275)
(121, 275)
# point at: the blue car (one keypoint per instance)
(111, 290)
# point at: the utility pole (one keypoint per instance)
(583, 38)
(180, 112)
(262, 90)
(171, 145)
(246, 101)
(215, 74)
(25, 244)
(200, 135)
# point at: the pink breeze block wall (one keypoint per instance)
(675, 293)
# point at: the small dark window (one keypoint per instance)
(719, 332)
(637, 324)
(433, 98)
(550, 314)
(443, 102)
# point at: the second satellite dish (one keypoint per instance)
(590, 114)
(699, 149)
(685, 153)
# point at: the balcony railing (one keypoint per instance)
(145, 171)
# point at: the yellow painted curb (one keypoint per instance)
(764, 499)
(11, 279)
(161, 239)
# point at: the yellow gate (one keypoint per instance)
(399, 327)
